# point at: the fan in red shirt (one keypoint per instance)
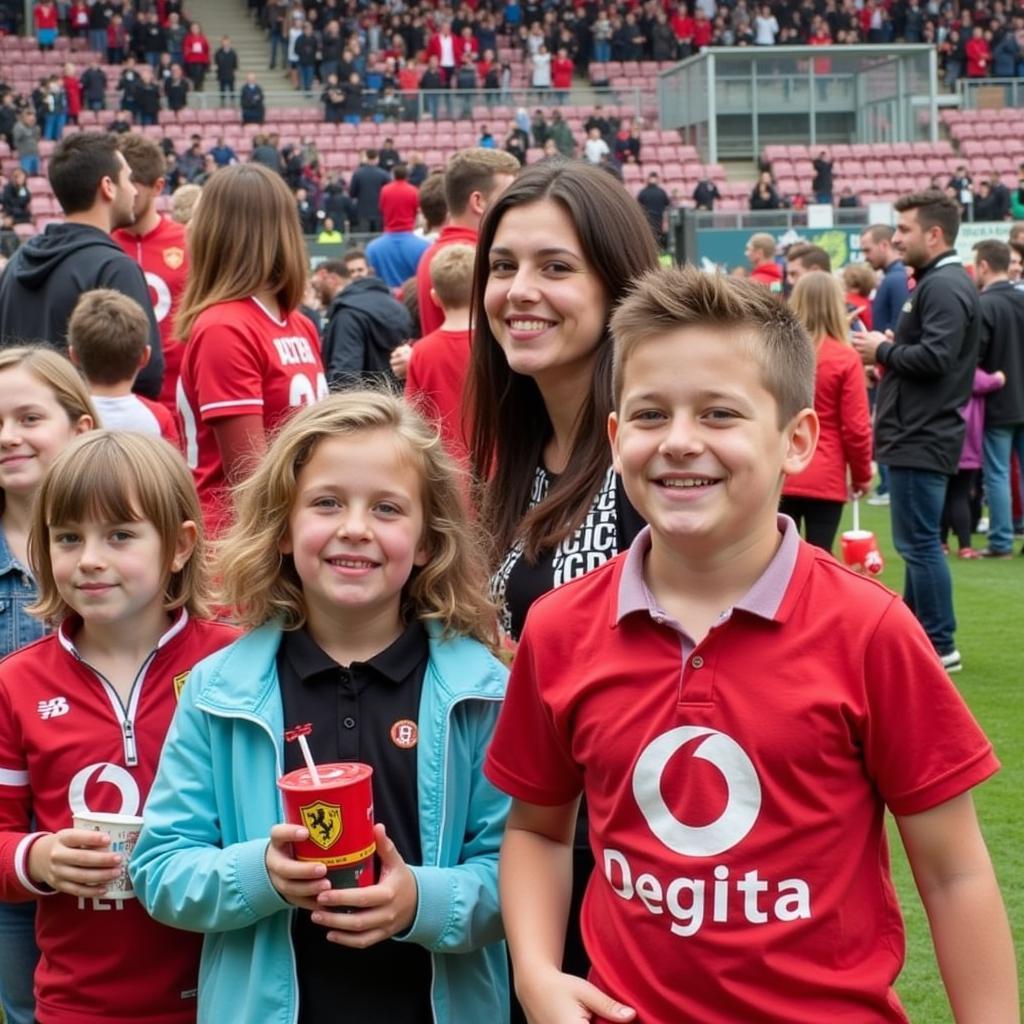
(760, 252)
(814, 499)
(251, 356)
(72, 92)
(562, 69)
(438, 362)
(196, 55)
(979, 54)
(83, 717)
(473, 178)
(159, 245)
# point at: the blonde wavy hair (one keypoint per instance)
(120, 477)
(261, 584)
(819, 303)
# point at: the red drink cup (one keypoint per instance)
(338, 813)
(860, 551)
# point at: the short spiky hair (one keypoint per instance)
(665, 300)
(934, 209)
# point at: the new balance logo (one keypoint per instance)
(54, 707)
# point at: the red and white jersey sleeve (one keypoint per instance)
(242, 361)
(68, 745)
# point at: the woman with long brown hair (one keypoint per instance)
(251, 356)
(556, 251)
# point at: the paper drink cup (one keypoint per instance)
(338, 813)
(123, 830)
(860, 551)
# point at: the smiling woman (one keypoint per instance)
(556, 252)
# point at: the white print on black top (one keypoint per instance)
(591, 545)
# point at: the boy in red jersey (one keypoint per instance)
(107, 341)
(83, 715)
(438, 362)
(158, 244)
(739, 710)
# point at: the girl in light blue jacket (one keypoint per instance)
(352, 559)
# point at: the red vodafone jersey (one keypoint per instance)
(163, 256)
(241, 361)
(435, 379)
(68, 744)
(736, 790)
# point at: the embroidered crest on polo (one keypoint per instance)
(743, 801)
(405, 734)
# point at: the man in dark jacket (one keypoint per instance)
(94, 86)
(654, 201)
(251, 100)
(364, 324)
(45, 277)
(822, 184)
(226, 62)
(1002, 349)
(928, 376)
(364, 188)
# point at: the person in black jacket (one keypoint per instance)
(225, 60)
(42, 282)
(251, 100)
(147, 96)
(364, 188)
(822, 184)
(928, 376)
(1002, 348)
(16, 200)
(94, 86)
(364, 324)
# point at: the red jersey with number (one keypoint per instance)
(241, 361)
(163, 256)
(736, 788)
(68, 744)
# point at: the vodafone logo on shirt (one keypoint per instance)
(687, 903)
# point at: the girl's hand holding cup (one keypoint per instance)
(361, 917)
(297, 881)
(75, 861)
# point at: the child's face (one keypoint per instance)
(112, 574)
(355, 531)
(698, 443)
(34, 429)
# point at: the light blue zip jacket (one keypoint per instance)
(199, 864)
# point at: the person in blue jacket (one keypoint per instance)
(352, 558)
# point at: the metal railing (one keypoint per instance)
(990, 93)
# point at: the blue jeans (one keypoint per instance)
(306, 74)
(602, 51)
(916, 500)
(29, 164)
(53, 126)
(998, 447)
(18, 963)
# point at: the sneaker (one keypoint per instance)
(951, 662)
(989, 553)
(879, 500)
(968, 553)
(982, 526)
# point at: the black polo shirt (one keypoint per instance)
(365, 712)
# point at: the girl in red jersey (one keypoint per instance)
(815, 497)
(43, 406)
(117, 550)
(250, 357)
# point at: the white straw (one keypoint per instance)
(314, 774)
(856, 526)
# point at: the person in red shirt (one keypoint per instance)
(472, 179)
(760, 253)
(702, 29)
(160, 246)
(196, 51)
(739, 709)
(44, 15)
(841, 466)
(439, 361)
(860, 281)
(562, 69)
(395, 254)
(979, 54)
(251, 356)
(72, 92)
(117, 551)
